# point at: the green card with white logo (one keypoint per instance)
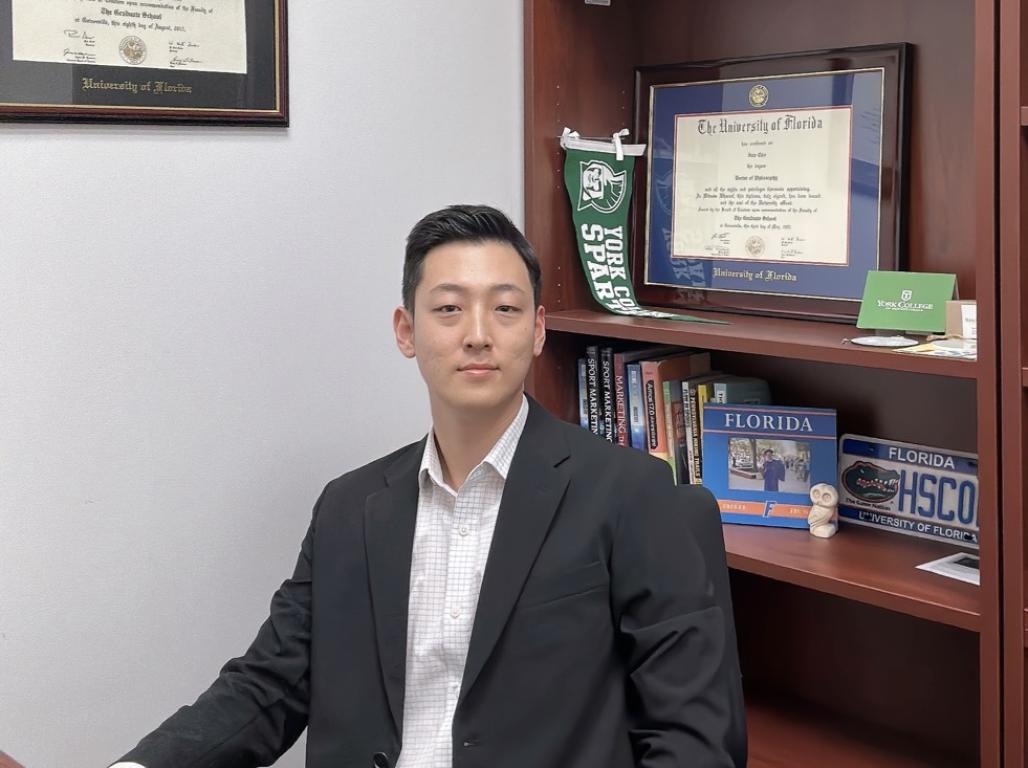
(906, 301)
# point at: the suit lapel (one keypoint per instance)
(389, 519)
(533, 491)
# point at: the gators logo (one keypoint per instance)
(869, 482)
(602, 189)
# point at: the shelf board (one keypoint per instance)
(861, 564)
(781, 337)
(1024, 115)
(789, 736)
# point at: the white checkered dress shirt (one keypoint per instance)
(451, 543)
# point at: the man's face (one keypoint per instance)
(474, 330)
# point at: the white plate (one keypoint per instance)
(884, 341)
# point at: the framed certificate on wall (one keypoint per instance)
(772, 185)
(207, 61)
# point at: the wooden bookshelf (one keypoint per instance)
(1013, 369)
(793, 339)
(784, 735)
(926, 652)
(859, 564)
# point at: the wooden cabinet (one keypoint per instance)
(908, 668)
(1013, 368)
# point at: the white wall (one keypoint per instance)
(195, 336)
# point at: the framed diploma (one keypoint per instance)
(206, 61)
(772, 185)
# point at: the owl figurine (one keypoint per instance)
(823, 518)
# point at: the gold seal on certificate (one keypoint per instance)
(132, 50)
(755, 246)
(758, 96)
(774, 193)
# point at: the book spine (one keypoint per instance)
(703, 392)
(675, 418)
(690, 434)
(607, 388)
(720, 392)
(697, 432)
(676, 433)
(592, 359)
(620, 401)
(636, 407)
(669, 429)
(583, 394)
(656, 432)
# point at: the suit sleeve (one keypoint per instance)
(671, 630)
(257, 707)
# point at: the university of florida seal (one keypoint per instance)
(132, 50)
(755, 245)
(758, 96)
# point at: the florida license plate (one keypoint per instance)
(909, 488)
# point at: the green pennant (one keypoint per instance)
(598, 176)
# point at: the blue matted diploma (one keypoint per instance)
(783, 185)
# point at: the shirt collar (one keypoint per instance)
(499, 457)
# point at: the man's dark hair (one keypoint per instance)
(464, 224)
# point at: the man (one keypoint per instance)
(509, 592)
(774, 471)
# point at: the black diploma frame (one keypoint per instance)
(771, 185)
(93, 65)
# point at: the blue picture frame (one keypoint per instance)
(801, 444)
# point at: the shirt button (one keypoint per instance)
(455, 613)
(463, 530)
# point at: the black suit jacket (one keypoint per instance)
(596, 643)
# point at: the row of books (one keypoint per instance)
(652, 399)
(769, 464)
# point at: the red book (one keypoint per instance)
(654, 374)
